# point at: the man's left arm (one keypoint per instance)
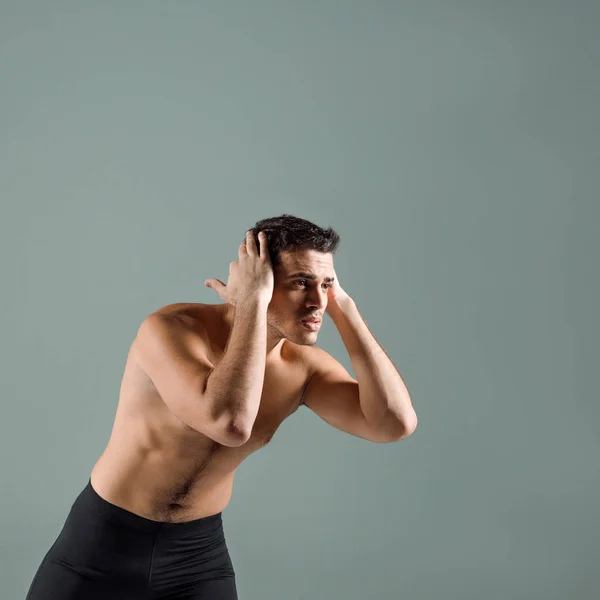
(382, 393)
(376, 405)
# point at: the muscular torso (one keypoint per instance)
(155, 465)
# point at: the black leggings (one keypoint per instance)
(105, 552)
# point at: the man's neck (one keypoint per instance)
(274, 339)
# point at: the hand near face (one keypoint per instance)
(335, 294)
(251, 276)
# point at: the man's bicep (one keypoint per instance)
(333, 394)
(174, 361)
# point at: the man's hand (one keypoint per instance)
(335, 295)
(249, 277)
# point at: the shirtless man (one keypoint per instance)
(204, 386)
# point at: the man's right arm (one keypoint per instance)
(219, 401)
(236, 383)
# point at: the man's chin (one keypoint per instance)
(308, 339)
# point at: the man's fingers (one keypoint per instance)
(215, 284)
(242, 250)
(264, 248)
(251, 244)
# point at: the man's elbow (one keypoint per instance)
(406, 427)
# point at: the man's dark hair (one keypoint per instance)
(288, 233)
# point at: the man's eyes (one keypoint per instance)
(327, 285)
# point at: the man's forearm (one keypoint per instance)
(382, 392)
(236, 382)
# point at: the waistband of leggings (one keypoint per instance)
(90, 500)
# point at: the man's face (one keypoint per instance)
(302, 281)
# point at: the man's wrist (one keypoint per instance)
(254, 303)
(339, 305)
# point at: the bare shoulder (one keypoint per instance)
(190, 313)
(312, 355)
(194, 323)
(312, 358)
(184, 309)
(322, 366)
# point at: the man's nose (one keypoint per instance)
(317, 299)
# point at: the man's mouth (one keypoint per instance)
(311, 323)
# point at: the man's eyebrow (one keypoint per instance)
(310, 276)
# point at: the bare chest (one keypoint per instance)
(181, 469)
(142, 409)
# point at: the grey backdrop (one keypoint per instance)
(454, 146)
